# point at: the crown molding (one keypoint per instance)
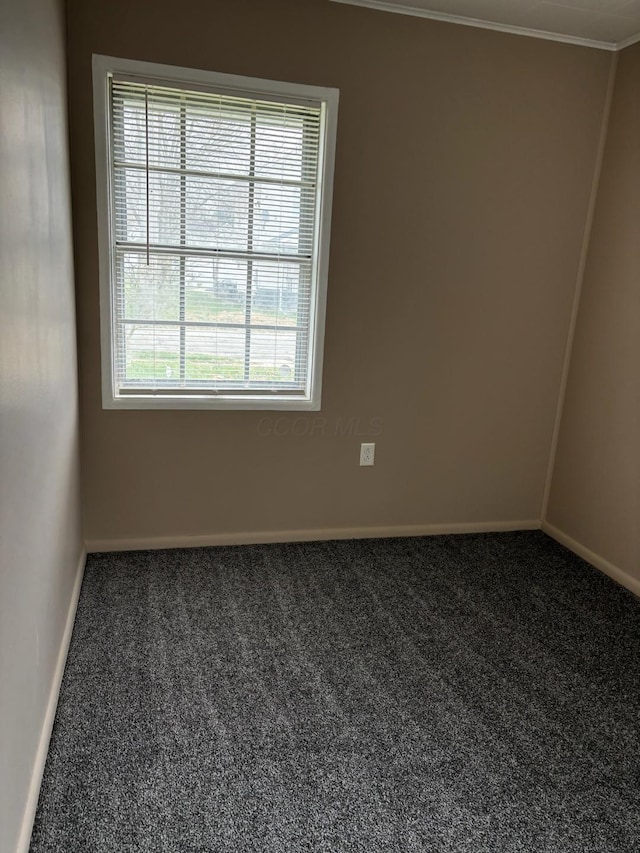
(384, 6)
(628, 42)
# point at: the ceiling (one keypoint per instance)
(609, 24)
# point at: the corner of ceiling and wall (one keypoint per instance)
(479, 22)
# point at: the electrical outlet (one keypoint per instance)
(367, 453)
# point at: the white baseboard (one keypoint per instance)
(24, 838)
(315, 535)
(614, 572)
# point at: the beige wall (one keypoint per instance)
(464, 168)
(40, 538)
(595, 496)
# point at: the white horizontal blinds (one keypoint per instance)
(214, 208)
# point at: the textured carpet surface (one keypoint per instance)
(457, 693)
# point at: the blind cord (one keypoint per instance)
(146, 151)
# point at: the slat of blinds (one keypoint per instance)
(129, 165)
(169, 88)
(199, 252)
(208, 102)
(215, 211)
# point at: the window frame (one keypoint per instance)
(103, 68)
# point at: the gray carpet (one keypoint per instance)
(457, 693)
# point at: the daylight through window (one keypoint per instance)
(216, 280)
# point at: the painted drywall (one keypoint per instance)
(595, 494)
(40, 530)
(464, 165)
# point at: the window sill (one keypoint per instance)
(217, 402)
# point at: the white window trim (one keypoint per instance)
(103, 66)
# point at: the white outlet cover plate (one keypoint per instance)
(367, 453)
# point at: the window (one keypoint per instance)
(214, 205)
